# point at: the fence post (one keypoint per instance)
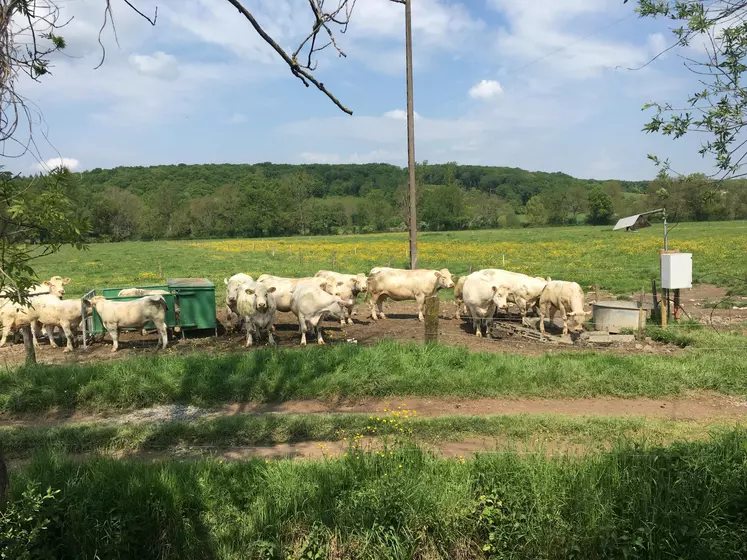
(664, 310)
(596, 292)
(355, 250)
(676, 306)
(389, 261)
(290, 248)
(28, 344)
(470, 269)
(641, 334)
(431, 319)
(333, 260)
(653, 294)
(160, 269)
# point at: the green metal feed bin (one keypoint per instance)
(194, 298)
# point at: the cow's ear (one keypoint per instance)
(225, 281)
(271, 289)
(46, 283)
(437, 273)
(249, 291)
(66, 281)
(494, 288)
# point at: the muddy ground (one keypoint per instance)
(401, 324)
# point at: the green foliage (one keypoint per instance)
(37, 217)
(716, 108)
(683, 501)
(600, 207)
(23, 522)
(536, 213)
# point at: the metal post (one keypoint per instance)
(412, 191)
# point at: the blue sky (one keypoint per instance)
(517, 83)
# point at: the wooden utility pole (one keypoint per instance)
(412, 191)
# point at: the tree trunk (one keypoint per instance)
(28, 344)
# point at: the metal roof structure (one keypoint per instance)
(636, 221)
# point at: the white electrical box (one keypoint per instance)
(676, 271)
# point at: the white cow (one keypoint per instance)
(523, 290)
(401, 285)
(482, 296)
(15, 315)
(311, 304)
(459, 298)
(232, 296)
(64, 313)
(136, 313)
(284, 288)
(140, 292)
(566, 297)
(256, 306)
(348, 288)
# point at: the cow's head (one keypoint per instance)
(500, 297)
(262, 295)
(444, 278)
(576, 320)
(361, 282)
(56, 285)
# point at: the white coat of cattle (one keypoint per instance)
(401, 285)
(311, 304)
(15, 315)
(459, 298)
(352, 285)
(140, 292)
(483, 296)
(284, 288)
(232, 296)
(566, 297)
(64, 313)
(256, 306)
(523, 290)
(136, 313)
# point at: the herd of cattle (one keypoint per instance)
(253, 304)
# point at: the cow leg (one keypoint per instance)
(564, 316)
(249, 333)
(114, 333)
(542, 313)
(50, 333)
(270, 339)
(163, 335)
(6, 332)
(372, 304)
(67, 329)
(350, 314)
(316, 324)
(421, 307)
(303, 328)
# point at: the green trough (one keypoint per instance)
(193, 297)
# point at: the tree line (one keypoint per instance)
(223, 200)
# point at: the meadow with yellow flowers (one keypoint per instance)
(620, 262)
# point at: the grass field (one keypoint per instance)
(668, 488)
(685, 501)
(616, 261)
(382, 370)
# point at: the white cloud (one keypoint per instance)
(400, 115)
(53, 163)
(237, 118)
(656, 44)
(485, 89)
(158, 65)
(544, 32)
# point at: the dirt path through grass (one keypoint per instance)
(701, 406)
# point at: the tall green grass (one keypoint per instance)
(270, 429)
(347, 371)
(685, 501)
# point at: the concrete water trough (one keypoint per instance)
(614, 316)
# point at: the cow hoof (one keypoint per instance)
(478, 334)
(321, 343)
(350, 321)
(382, 316)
